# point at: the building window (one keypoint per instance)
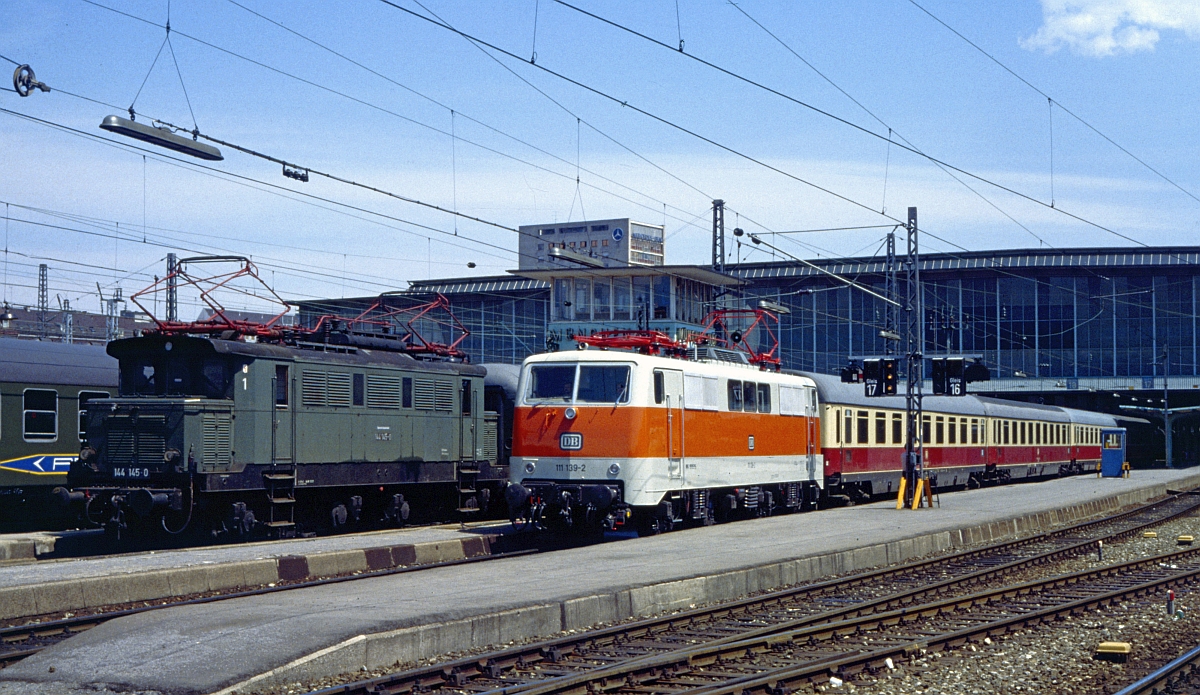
(621, 299)
(604, 242)
(601, 299)
(41, 415)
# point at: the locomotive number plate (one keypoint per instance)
(570, 441)
(131, 472)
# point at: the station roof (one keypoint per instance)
(698, 273)
(1006, 259)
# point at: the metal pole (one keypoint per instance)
(889, 279)
(43, 298)
(172, 297)
(1166, 410)
(718, 241)
(914, 349)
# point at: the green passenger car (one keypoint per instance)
(45, 388)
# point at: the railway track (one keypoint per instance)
(20, 641)
(1181, 675)
(856, 597)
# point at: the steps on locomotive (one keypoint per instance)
(468, 478)
(280, 484)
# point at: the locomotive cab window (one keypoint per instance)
(603, 384)
(281, 386)
(84, 397)
(41, 415)
(597, 383)
(551, 382)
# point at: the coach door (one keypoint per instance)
(668, 391)
(283, 415)
(811, 424)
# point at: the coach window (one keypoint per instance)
(837, 426)
(863, 427)
(849, 426)
(880, 428)
(41, 415)
(974, 431)
(764, 398)
(925, 429)
(953, 431)
(735, 395)
(1004, 433)
(939, 429)
(84, 397)
(897, 429)
(749, 396)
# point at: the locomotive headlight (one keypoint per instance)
(569, 413)
(530, 466)
(614, 469)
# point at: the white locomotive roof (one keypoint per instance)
(728, 369)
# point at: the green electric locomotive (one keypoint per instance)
(316, 432)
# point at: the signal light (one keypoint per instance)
(891, 376)
(947, 373)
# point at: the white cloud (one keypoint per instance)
(1109, 27)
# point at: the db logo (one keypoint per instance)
(570, 441)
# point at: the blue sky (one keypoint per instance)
(1126, 67)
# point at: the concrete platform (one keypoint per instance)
(254, 644)
(48, 586)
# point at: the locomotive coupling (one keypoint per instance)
(516, 495)
(66, 498)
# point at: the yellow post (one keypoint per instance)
(1097, 469)
(900, 496)
(917, 494)
(1125, 470)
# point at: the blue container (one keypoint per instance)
(1112, 451)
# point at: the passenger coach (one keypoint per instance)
(967, 440)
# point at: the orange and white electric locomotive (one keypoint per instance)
(603, 437)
